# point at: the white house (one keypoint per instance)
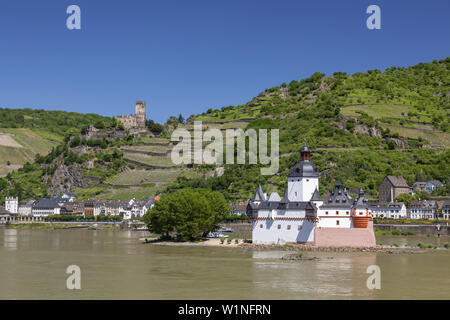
(12, 204)
(393, 210)
(423, 210)
(446, 210)
(301, 215)
(25, 207)
(47, 207)
(70, 196)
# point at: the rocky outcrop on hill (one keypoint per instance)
(66, 178)
(371, 131)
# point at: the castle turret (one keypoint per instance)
(12, 204)
(304, 178)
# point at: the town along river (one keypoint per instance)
(115, 265)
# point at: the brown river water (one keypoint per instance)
(116, 265)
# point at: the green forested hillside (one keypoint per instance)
(27, 132)
(360, 128)
(58, 123)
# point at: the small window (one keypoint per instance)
(296, 194)
(326, 212)
(261, 225)
(337, 222)
(299, 227)
(279, 226)
(360, 213)
(348, 212)
(289, 227)
(337, 212)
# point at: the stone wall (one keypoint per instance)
(342, 237)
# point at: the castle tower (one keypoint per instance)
(303, 179)
(12, 204)
(140, 114)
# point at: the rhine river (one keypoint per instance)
(115, 265)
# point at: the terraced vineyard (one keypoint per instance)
(20, 145)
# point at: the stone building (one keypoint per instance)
(137, 120)
(391, 187)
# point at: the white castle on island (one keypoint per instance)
(302, 216)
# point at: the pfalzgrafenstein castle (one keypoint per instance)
(135, 121)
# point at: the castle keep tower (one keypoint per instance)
(137, 120)
(140, 114)
(304, 178)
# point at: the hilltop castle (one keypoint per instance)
(302, 216)
(138, 120)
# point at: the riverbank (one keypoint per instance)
(214, 242)
(61, 226)
(292, 246)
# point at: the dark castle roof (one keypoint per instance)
(279, 205)
(362, 202)
(304, 168)
(339, 197)
(316, 196)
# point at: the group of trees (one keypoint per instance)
(187, 214)
(407, 198)
(58, 122)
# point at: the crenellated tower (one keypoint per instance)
(140, 114)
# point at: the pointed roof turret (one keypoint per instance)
(361, 202)
(304, 168)
(259, 195)
(316, 196)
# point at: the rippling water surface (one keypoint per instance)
(115, 265)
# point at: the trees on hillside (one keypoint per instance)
(187, 214)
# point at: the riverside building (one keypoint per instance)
(302, 216)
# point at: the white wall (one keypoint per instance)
(330, 220)
(302, 189)
(266, 231)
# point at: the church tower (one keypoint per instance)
(140, 114)
(304, 178)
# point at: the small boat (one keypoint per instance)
(225, 229)
(140, 229)
(216, 235)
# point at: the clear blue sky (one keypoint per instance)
(185, 56)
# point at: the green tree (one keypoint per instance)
(187, 214)
(157, 128)
(99, 125)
